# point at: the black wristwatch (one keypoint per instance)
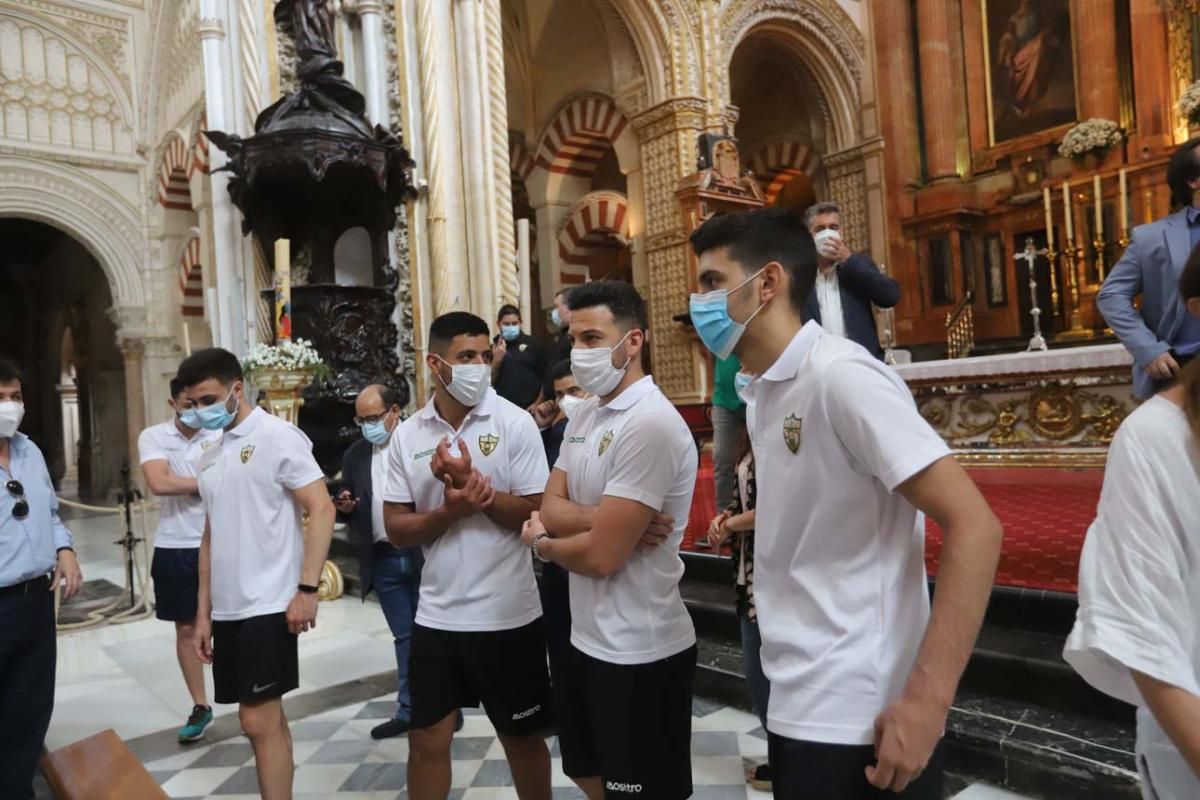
(59, 550)
(304, 587)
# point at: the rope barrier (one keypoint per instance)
(143, 607)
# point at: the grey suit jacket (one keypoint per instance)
(1151, 267)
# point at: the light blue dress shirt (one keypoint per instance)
(29, 546)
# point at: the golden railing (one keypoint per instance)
(960, 328)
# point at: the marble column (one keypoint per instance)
(937, 89)
(230, 331)
(375, 89)
(135, 387)
(667, 133)
(1097, 37)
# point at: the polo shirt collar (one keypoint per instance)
(788, 363)
(632, 394)
(249, 424)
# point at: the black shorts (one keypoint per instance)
(176, 574)
(254, 659)
(629, 724)
(503, 670)
(818, 771)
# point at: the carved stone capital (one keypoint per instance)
(678, 113)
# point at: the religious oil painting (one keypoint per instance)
(1030, 66)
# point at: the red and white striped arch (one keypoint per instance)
(580, 135)
(519, 159)
(199, 149)
(776, 163)
(191, 277)
(599, 221)
(173, 190)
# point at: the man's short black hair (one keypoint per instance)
(564, 293)
(506, 310)
(759, 237)
(627, 306)
(9, 372)
(456, 323)
(1183, 167)
(176, 387)
(560, 370)
(211, 362)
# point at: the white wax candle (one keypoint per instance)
(1124, 202)
(1049, 217)
(1099, 207)
(1066, 191)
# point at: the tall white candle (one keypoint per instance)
(1124, 202)
(1049, 217)
(1099, 207)
(1066, 191)
(187, 340)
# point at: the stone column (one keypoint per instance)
(135, 387)
(370, 15)
(231, 316)
(667, 133)
(1097, 37)
(937, 89)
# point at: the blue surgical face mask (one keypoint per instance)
(740, 382)
(714, 326)
(376, 432)
(217, 416)
(510, 332)
(556, 318)
(188, 418)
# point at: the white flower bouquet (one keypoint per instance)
(1189, 103)
(297, 355)
(1092, 135)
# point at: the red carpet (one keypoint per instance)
(1045, 513)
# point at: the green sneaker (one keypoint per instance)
(201, 717)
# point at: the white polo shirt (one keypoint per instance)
(180, 517)
(379, 457)
(257, 539)
(638, 448)
(477, 576)
(839, 558)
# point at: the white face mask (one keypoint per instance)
(468, 382)
(593, 368)
(11, 414)
(570, 404)
(824, 240)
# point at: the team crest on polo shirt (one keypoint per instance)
(791, 432)
(521, 347)
(487, 443)
(605, 441)
(247, 451)
(207, 443)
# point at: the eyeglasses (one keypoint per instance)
(360, 421)
(20, 508)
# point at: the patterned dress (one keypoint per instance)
(743, 543)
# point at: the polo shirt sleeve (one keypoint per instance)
(527, 457)
(297, 467)
(561, 463)
(876, 420)
(150, 447)
(396, 486)
(1134, 608)
(646, 460)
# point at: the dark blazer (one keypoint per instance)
(356, 476)
(860, 283)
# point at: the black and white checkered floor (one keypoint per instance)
(337, 759)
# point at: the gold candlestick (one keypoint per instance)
(1123, 242)
(1074, 257)
(1052, 259)
(1098, 244)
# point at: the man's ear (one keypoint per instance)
(774, 282)
(1193, 306)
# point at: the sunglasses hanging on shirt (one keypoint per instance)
(20, 509)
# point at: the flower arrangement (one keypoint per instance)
(1089, 136)
(295, 356)
(1189, 103)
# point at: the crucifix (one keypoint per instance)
(1030, 255)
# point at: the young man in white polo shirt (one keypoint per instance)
(463, 474)
(259, 563)
(628, 461)
(862, 676)
(169, 452)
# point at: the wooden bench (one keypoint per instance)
(99, 767)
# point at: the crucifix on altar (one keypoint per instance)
(1030, 255)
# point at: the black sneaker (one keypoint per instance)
(760, 779)
(389, 729)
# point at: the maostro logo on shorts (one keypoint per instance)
(629, 788)
(529, 712)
